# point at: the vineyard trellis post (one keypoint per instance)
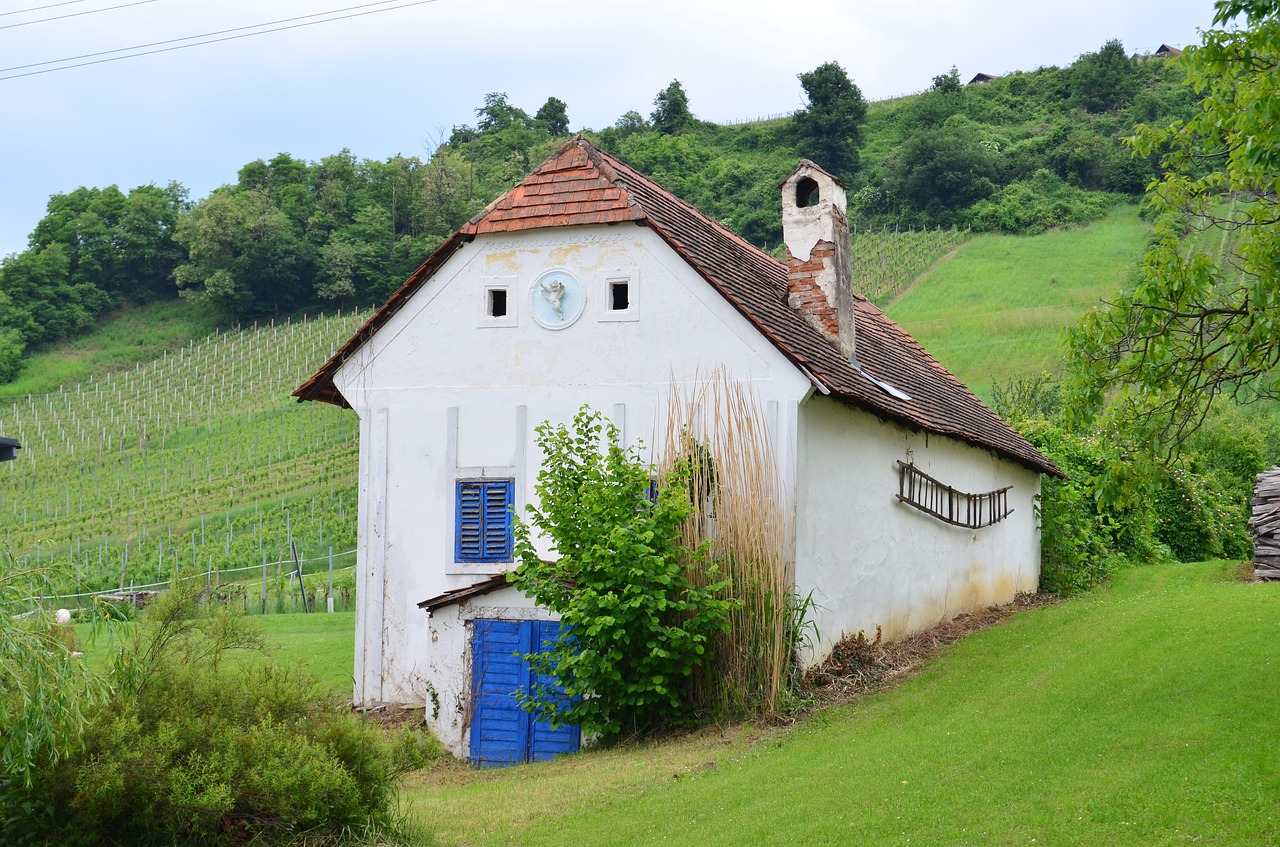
(297, 564)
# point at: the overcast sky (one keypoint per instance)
(391, 82)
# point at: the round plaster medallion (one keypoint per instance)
(556, 299)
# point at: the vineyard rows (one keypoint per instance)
(198, 460)
(885, 263)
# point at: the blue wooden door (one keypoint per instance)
(502, 733)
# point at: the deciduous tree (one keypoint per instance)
(554, 117)
(1203, 317)
(947, 83)
(1104, 81)
(671, 110)
(829, 128)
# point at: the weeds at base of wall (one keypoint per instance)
(860, 665)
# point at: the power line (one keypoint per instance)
(207, 36)
(187, 38)
(79, 14)
(41, 8)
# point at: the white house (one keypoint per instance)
(589, 284)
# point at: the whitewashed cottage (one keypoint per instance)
(589, 284)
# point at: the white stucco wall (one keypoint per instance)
(444, 392)
(868, 560)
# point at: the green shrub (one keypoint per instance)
(1185, 516)
(12, 348)
(635, 623)
(1039, 203)
(44, 694)
(194, 748)
(1085, 536)
(1203, 507)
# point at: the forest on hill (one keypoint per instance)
(1022, 153)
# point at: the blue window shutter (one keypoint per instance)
(498, 497)
(470, 523)
(483, 520)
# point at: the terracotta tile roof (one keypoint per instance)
(582, 185)
(568, 190)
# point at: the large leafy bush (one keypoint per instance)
(197, 746)
(635, 622)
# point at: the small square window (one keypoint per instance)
(497, 302)
(619, 293)
(619, 296)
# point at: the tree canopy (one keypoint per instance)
(829, 129)
(1106, 80)
(1202, 319)
(554, 117)
(671, 110)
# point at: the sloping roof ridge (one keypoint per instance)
(320, 386)
(828, 368)
(484, 213)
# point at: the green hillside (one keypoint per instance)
(997, 308)
(1024, 153)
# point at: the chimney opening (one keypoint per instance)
(807, 193)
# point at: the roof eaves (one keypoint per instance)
(320, 386)
(457, 595)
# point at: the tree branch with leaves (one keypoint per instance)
(1202, 319)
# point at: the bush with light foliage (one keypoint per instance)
(196, 746)
(635, 622)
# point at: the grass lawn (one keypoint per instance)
(1145, 713)
(322, 644)
(996, 310)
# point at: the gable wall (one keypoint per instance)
(444, 394)
(868, 560)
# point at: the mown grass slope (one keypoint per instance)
(1144, 713)
(997, 308)
(129, 335)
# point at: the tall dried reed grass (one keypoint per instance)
(743, 508)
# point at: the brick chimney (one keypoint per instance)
(815, 230)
